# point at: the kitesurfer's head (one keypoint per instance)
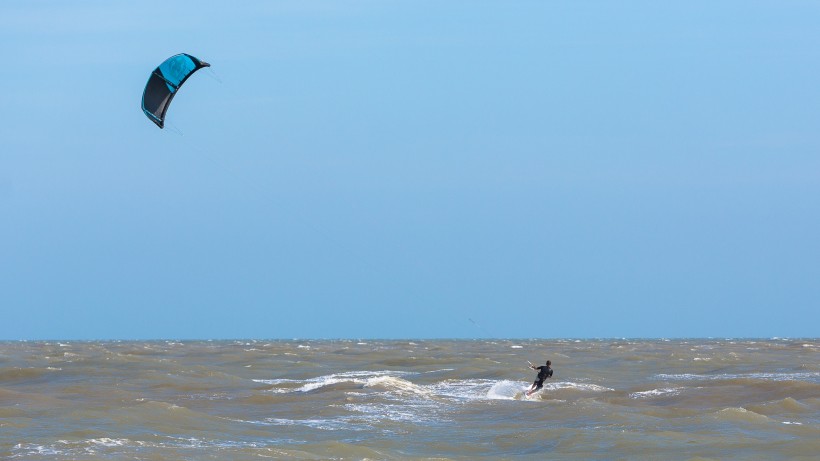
(549, 363)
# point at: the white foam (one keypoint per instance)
(379, 413)
(355, 377)
(322, 424)
(577, 386)
(505, 390)
(804, 376)
(34, 449)
(277, 381)
(106, 442)
(396, 384)
(664, 392)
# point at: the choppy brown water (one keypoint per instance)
(237, 400)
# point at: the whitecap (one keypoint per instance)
(577, 386)
(34, 449)
(396, 384)
(106, 442)
(663, 392)
(322, 424)
(801, 376)
(355, 377)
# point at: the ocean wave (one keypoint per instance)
(813, 377)
(278, 381)
(664, 392)
(380, 414)
(24, 374)
(584, 387)
(512, 390)
(367, 416)
(787, 405)
(114, 446)
(324, 424)
(740, 414)
(396, 384)
(357, 378)
(505, 390)
(194, 401)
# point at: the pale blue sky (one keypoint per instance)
(393, 169)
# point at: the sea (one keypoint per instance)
(609, 399)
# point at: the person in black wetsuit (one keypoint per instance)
(544, 372)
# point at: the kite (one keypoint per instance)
(164, 83)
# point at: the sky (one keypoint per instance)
(411, 169)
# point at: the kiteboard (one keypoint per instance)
(522, 395)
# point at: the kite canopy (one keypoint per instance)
(164, 83)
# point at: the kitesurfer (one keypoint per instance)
(544, 372)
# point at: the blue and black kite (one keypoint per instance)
(164, 83)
